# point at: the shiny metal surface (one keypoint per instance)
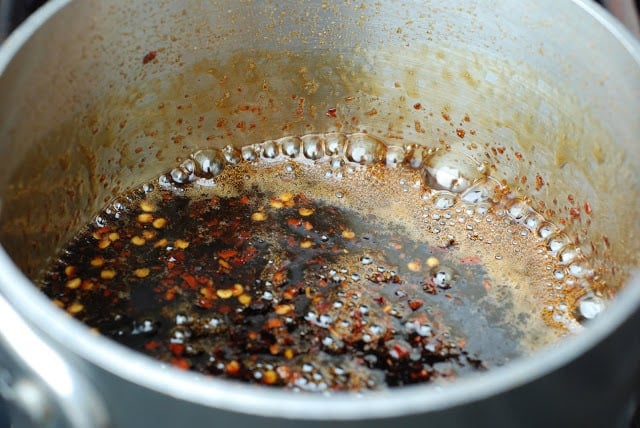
(515, 67)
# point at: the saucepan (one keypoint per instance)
(98, 97)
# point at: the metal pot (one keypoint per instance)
(100, 96)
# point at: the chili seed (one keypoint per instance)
(145, 218)
(432, 262)
(237, 289)
(258, 216)
(70, 270)
(181, 244)
(224, 293)
(348, 234)
(138, 240)
(148, 234)
(113, 236)
(270, 377)
(244, 299)
(414, 266)
(147, 207)
(233, 367)
(283, 309)
(286, 197)
(306, 244)
(104, 244)
(108, 274)
(74, 283)
(75, 308)
(141, 272)
(275, 203)
(305, 212)
(97, 261)
(161, 243)
(159, 223)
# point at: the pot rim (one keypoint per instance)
(71, 335)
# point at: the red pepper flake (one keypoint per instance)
(587, 208)
(233, 367)
(177, 349)
(190, 280)
(227, 254)
(331, 112)
(151, 345)
(273, 323)
(539, 182)
(149, 57)
(574, 213)
(415, 304)
(460, 132)
(181, 363)
(417, 106)
(471, 260)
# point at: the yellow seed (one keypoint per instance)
(270, 377)
(108, 274)
(348, 234)
(145, 218)
(141, 272)
(181, 244)
(283, 309)
(224, 294)
(147, 206)
(148, 234)
(286, 197)
(224, 264)
(75, 308)
(258, 216)
(138, 240)
(414, 266)
(97, 261)
(74, 283)
(432, 262)
(97, 235)
(159, 223)
(206, 292)
(238, 289)
(104, 244)
(244, 299)
(306, 244)
(288, 353)
(113, 236)
(70, 270)
(58, 303)
(87, 285)
(161, 243)
(305, 212)
(275, 203)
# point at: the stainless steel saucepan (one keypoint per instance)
(99, 96)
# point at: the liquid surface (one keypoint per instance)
(327, 262)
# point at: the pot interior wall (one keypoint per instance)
(84, 117)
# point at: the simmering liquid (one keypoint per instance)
(326, 262)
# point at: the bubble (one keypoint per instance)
(568, 254)
(395, 156)
(580, 270)
(444, 200)
(482, 191)
(290, 146)
(313, 146)
(335, 143)
(366, 260)
(546, 229)
(180, 175)
(452, 171)
(208, 162)
(518, 210)
(443, 276)
(270, 149)
(557, 242)
(249, 153)
(365, 149)
(232, 155)
(590, 307)
(532, 221)
(415, 157)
